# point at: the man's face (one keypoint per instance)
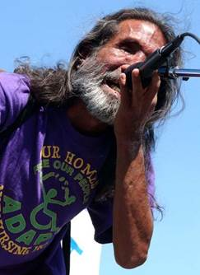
(97, 79)
(134, 42)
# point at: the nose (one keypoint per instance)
(130, 60)
(135, 58)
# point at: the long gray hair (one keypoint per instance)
(53, 86)
(105, 29)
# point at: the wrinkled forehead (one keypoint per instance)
(140, 30)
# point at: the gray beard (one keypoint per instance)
(87, 84)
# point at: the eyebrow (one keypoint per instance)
(129, 40)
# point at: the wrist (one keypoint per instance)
(128, 148)
(133, 138)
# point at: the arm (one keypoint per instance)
(14, 94)
(133, 223)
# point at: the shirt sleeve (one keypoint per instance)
(101, 213)
(14, 93)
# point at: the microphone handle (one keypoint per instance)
(146, 68)
(145, 80)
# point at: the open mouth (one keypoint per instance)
(112, 84)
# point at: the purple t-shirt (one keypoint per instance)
(49, 172)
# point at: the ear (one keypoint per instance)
(83, 51)
(79, 62)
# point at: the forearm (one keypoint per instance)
(133, 223)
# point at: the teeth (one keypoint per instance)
(112, 84)
(114, 87)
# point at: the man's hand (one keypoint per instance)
(136, 106)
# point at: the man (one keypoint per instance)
(86, 146)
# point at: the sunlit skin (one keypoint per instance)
(132, 216)
(134, 41)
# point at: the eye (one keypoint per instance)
(126, 49)
(129, 47)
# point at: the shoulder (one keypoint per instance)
(11, 82)
(14, 94)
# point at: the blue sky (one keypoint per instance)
(47, 31)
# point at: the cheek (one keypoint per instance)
(115, 58)
(110, 56)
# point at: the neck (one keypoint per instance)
(83, 121)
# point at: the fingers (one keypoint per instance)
(137, 89)
(125, 96)
(136, 80)
(131, 97)
(141, 101)
(152, 92)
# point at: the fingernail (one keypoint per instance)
(136, 72)
(123, 78)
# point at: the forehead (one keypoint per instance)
(143, 32)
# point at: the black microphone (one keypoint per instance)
(155, 60)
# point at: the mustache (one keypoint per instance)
(87, 83)
(99, 71)
(112, 76)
